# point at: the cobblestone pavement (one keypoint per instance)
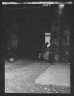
(20, 77)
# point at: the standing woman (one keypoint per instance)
(44, 48)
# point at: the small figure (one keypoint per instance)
(44, 48)
(51, 55)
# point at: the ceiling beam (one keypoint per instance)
(42, 3)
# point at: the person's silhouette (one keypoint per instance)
(44, 47)
(51, 55)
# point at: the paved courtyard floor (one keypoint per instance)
(32, 76)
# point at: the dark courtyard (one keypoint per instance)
(37, 47)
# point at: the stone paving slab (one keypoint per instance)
(55, 75)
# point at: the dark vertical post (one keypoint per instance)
(60, 11)
(60, 41)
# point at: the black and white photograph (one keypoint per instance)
(37, 46)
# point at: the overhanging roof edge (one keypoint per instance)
(49, 2)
